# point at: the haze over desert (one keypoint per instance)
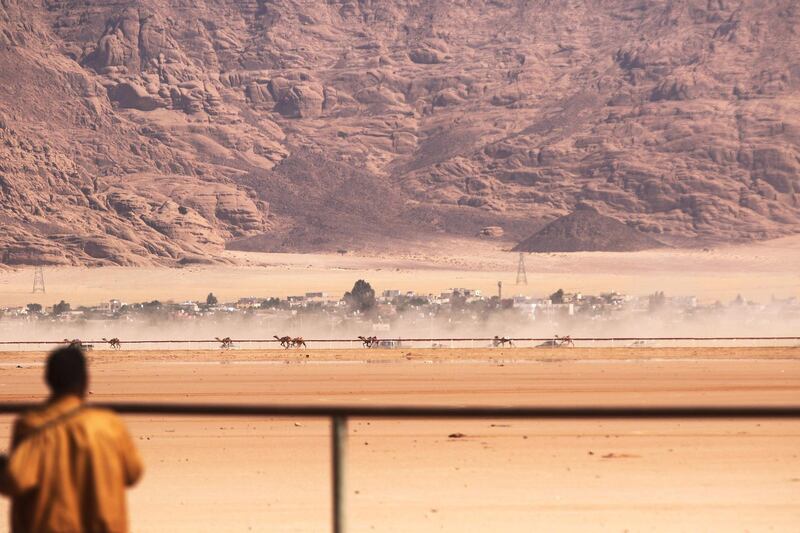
(756, 271)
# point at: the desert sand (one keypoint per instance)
(757, 271)
(215, 474)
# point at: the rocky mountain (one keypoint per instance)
(140, 131)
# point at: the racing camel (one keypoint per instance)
(227, 342)
(501, 341)
(298, 342)
(286, 341)
(566, 340)
(114, 343)
(369, 342)
(74, 343)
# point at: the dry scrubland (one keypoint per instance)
(212, 474)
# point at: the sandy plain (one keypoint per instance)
(757, 271)
(215, 474)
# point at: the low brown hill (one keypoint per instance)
(586, 230)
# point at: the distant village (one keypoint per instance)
(382, 313)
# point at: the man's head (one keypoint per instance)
(66, 372)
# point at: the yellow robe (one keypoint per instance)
(68, 470)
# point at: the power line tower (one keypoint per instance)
(522, 277)
(38, 280)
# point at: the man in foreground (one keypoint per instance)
(69, 464)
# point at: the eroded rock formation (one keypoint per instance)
(134, 131)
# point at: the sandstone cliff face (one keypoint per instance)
(134, 131)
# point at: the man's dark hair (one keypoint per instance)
(66, 371)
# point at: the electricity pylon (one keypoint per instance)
(522, 277)
(38, 280)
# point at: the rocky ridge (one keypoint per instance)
(140, 131)
(586, 230)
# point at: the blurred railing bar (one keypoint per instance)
(403, 411)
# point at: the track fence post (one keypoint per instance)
(338, 486)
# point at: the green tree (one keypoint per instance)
(34, 309)
(211, 299)
(61, 308)
(271, 303)
(557, 297)
(361, 297)
(458, 301)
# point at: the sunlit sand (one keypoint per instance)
(213, 474)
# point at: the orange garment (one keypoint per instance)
(68, 470)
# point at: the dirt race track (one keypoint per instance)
(216, 474)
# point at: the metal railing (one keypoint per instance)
(451, 340)
(340, 414)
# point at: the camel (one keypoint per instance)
(227, 342)
(566, 340)
(298, 342)
(369, 342)
(74, 343)
(501, 341)
(114, 343)
(286, 341)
